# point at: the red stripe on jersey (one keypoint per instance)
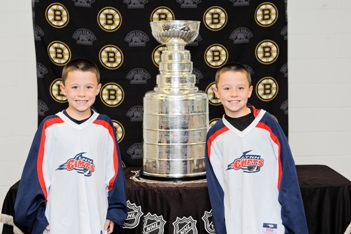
(277, 142)
(40, 172)
(213, 137)
(115, 152)
(255, 111)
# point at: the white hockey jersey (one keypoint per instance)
(73, 178)
(252, 181)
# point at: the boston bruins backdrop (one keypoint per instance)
(116, 35)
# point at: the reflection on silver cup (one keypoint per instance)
(175, 119)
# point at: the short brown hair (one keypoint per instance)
(80, 64)
(236, 67)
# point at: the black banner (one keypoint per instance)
(116, 35)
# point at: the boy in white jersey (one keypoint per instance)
(251, 174)
(73, 180)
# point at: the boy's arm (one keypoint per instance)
(117, 194)
(215, 190)
(31, 197)
(292, 213)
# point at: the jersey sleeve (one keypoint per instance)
(117, 195)
(292, 212)
(31, 196)
(215, 181)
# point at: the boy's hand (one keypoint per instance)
(109, 225)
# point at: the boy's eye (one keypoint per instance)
(241, 88)
(90, 87)
(74, 87)
(226, 88)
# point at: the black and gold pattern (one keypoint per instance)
(116, 35)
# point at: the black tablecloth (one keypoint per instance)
(184, 205)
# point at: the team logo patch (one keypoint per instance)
(208, 222)
(41, 70)
(136, 113)
(135, 4)
(38, 33)
(249, 163)
(216, 55)
(119, 130)
(188, 3)
(59, 53)
(81, 164)
(84, 36)
(57, 15)
(42, 108)
(136, 38)
(133, 217)
(266, 14)
(55, 91)
(153, 224)
(156, 54)
(136, 151)
(111, 57)
(241, 35)
(185, 226)
(83, 3)
(269, 228)
(267, 52)
(112, 94)
(109, 19)
(212, 99)
(215, 18)
(162, 13)
(138, 76)
(267, 89)
(240, 2)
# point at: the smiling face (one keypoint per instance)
(80, 88)
(234, 90)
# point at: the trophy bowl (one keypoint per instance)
(175, 31)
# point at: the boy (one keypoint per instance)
(73, 180)
(251, 174)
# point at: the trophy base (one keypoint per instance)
(148, 176)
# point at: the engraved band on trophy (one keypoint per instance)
(175, 119)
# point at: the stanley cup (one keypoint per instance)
(175, 119)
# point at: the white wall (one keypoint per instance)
(319, 49)
(319, 63)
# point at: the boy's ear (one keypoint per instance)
(215, 90)
(62, 88)
(98, 89)
(250, 90)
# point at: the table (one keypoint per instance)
(175, 206)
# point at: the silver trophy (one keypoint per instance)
(175, 119)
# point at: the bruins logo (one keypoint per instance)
(112, 94)
(109, 19)
(156, 54)
(266, 14)
(267, 52)
(111, 57)
(213, 121)
(162, 13)
(57, 15)
(55, 91)
(215, 18)
(212, 99)
(59, 53)
(119, 129)
(267, 89)
(216, 55)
